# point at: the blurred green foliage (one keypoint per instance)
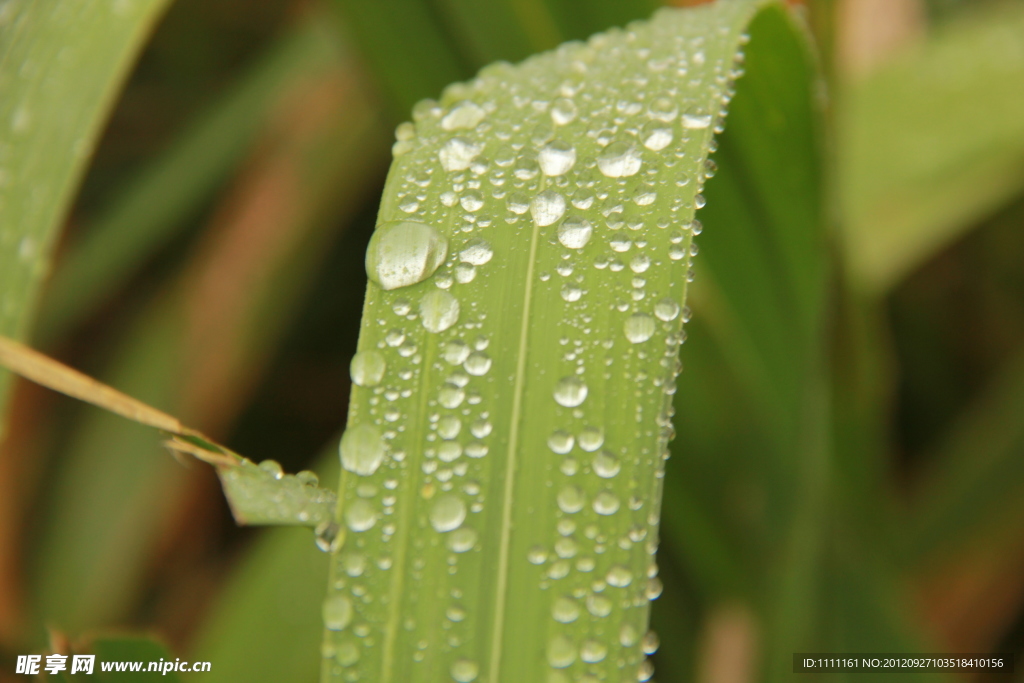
(888, 515)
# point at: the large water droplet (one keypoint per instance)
(463, 115)
(561, 652)
(557, 158)
(606, 503)
(570, 392)
(591, 438)
(458, 154)
(478, 364)
(465, 670)
(619, 576)
(402, 253)
(451, 395)
(560, 442)
(696, 120)
(462, 540)
(547, 207)
(605, 464)
(337, 612)
(362, 449)
(439, 310)
(449, 426)
(575, 232)
(593, 651)
(563, 111)
(477, 252)
(447, 513)
(619, 160)
(655, 136)
(639, 327)
(456, 352)
(599, 605)
(367, 368)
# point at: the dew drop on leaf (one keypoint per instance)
(639, 327)
(463, 115)
(561, 652)
(575, 232)
(337, 612)
(557, 158)
(464, 670)
(458, 154)
(367, 368)
(477, 252)
(402, 253)
(360, 515)
(570, 392)
(362, 449)
(447, 513)
(439, 310)
(619, 160)
(547, 207)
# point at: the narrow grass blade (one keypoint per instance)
(506, 438)
(50, 56)
(931, 143)
(145, 215)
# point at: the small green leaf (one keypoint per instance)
(263, 494)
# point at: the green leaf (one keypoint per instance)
(931, 143)
(505, 447)
(50, 57)
(263, 494)
(126, 649)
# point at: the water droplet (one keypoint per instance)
(563, 111)
(439, 310)
(367, 368)
(477, 252)
(472, 201)
(605, 464)
(606, 503)
(639, 327)
(650, 643)
(619, 160)
(654, 588)
(458, 153)
(402, 253)
(565, 610)
(663, 109)
(591, 438)
(547, 207)
(518, 203)
(556, 158)
(327, 537)
(570, 392)
(571, 294)
(571, 500)
(464, 273)
(455, 613)
(599, 605)
(449, 451)
(273, 468)
(360, 515)
(561, 652)
(451, 395)
(337, 612)
(478, 364)
(560, 442)
(456, 352)
(362, 449)
(575, 232)
(462, 540)
(449, 426)
(537, 555)
(619, 576)
(628, 635)
(569, 467)
(447, 513)
(695, 120)
(655, 136)
(640, 263)
(464, 670)
(593, 651)
(463, 115)
(666, 310)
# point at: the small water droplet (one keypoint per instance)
(456, 352)
(639, 327)
(463, 115)
(547, 207)
(593, 651)
(447, 513)
(565, 610)
(563, 111)
(362, 449)
(570, 392)
(439, 310)
(666, 310)
(273, 468)
(464, 670)
(606, 503)
(537, 555)
(619, 576)
(575, 232)
(451, 395)
(560, 442)
(561, 652)
(599, 605)
(650, 643)
(402, 253)
(695, 120)
(458, 154)
(472, 201)
(337, 612)
(327, 537)
(478, 364)
(619, 160)
(557, 158)
(591, 438)
(518, 203)
(605, 464)
(628, 635)
(462, 540)
(367, 368)
(448, 427)
(360, 515)
(477, 252)
(571, 294)
(571, 499)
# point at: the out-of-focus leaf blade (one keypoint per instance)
(128, 649)
(60, 67)
(931, 143)
(149, 210)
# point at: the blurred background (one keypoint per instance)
(212, 266)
